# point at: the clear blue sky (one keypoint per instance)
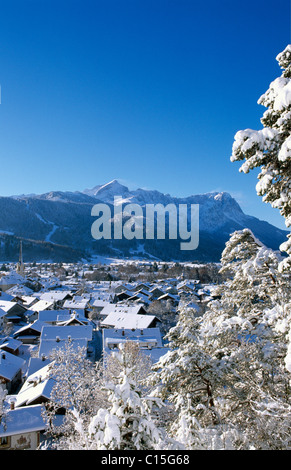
(149, 92)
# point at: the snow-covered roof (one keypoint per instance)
(169, 296)
(36, 326)
(10, 343)
(139, 335)
(34, 364)
(50, 316)
(11, 278)
(76, 304)
(23, 420)
(28, 300)
(53, 296)
(99, 303)
(7, 305)
(19, 290)
(9, 365)
(133, 308)
(51, 333)
(55, 337)
(39, 384)
(42, 305)
(5, 296)
(128, 320)
(149, 341)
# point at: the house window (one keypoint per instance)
(4, 441)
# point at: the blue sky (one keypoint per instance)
(147, 92)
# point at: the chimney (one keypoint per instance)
(12, 405)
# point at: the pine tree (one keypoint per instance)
(186, 377)
(270, 148)
(247, 329)
(127, 424)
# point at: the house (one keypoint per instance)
(144, 286)
(140, 297)
(77, 304)
(34, 364)
(55, 337)
(54, 317)
(29, 300)
(123, 288)
(149, 341)
(187, 286)
(9, 280)
(98, 304)
(14, 311)
(42, 305)
(129, 320)
(174, 299)
(10, 345)
(29, 334)
(73, 319)
(10, 370)
(20, 428)
(36, 389)
(19, 290)
(123, 295)
(156, 292)
(57, 297)
(125, 308)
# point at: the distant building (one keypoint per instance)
(20, 265)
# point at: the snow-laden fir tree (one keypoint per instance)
(186, 377)
(270, 148)
(247, 328)
(225, 371)
(127, 424)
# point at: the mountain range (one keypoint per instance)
(56, 226)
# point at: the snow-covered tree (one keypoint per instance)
(3, 393)
(225, 370)
(77, 391)
(186, 377)
(255, 281)
(270, 148)
(128, 422)
(247, 329)
(186, 428)
(133, 358)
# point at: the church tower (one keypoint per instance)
(20, 265)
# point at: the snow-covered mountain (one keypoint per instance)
(58, 224)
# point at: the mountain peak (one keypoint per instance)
(112, 188)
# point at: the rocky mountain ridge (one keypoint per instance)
(59, 225)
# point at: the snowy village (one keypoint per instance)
(46, 307)
(127, 326)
